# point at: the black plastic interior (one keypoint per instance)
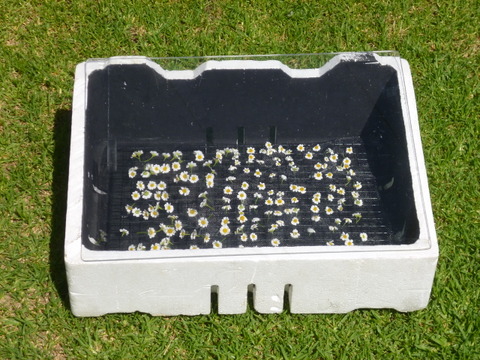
(132, 106)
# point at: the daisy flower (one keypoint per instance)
(193, 247)
(154, 169)
(257, 173)
(311, 231)
(132, 172)
(357, 216)
(135, 195)
(192, 212)
(295, 221)
(309, 156)
(316, 218)
(206, 238)
(341, 191)
(244, 185)
(294, 200)
(279, 202)
(176, 166)
(330, 243)
(301, 147)
(217, 244)
(242, 218)
(244, 237)
(224, 230)
(177, 154)
(358, 202)
(178, 225)
(318, 176)
(225, 221)
(132, 248)
(199, 155)
(203, 222)
(261, 186)
(136, 212)
(241, 195)
(251, 158)
(165, 196)
(191, 165)
(269, 202)
(329, 175)
(169, 230)
(314, 208)
(250, 150)
(349, 242)
(145, 174)
(302, 189)
(228, 190)
(316, 148)
(146, 194)
(344, 236)
(295, 234)
(193, 178)
(124, 232)
(363, 236)
(169, 208)
(231, 178)
(137, 154)
(184, 191)
(318, 166)
(140, 185)
(355, 194)
(357, 185)
(151, 232)
(349, 150)
(275, 242)
(316, 198)
(152, 185)
(165, 168)
(184, 176)
(246, 170)
(253, 237)
(209, 184)
(328, 210)
(273, 227)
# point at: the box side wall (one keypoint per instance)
(318, 284)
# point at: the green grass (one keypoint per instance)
(40, 44)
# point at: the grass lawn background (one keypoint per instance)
(40, 44)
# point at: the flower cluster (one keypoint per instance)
(269, 195)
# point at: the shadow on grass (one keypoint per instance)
(61, 138)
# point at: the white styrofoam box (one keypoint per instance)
(316, 279)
